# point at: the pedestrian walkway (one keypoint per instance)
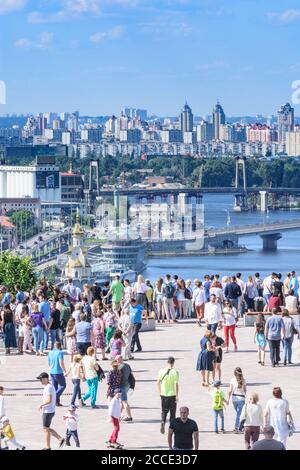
(24, 393)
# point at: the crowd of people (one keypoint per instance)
(105, 321)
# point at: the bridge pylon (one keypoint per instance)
(240, 199)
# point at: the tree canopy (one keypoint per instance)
(15, 270)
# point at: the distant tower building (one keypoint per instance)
(285, 121)
(186, 119)
(73, 121)
(111, 125)
(205, 132)
(41, 123)
(218, 119)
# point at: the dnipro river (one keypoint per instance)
(287, 257)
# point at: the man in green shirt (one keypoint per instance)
(167, 384)
(117, 292)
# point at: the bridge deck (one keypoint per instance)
(258, 229)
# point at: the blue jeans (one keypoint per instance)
(124, 392)
(238, 406)
(76, 391)
(38, 335)
(235, 303)
(287, 349)
(54, 336)
(59, 383)
(45, 339)
(221, 414)
(212, 327)
(92, 391)
(267, 298)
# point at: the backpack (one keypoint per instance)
(187, 294)
(218, 400)
(170, 291)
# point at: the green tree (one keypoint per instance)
(24, 222)
(15, 270)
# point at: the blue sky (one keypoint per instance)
(100, 55)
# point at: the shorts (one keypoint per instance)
(124, 392)
(47, 419)
(116, 306)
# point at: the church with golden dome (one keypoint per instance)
(77, 266)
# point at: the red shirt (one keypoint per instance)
(274, 302)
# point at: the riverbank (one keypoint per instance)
(217, 251)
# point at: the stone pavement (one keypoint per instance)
(17, 375)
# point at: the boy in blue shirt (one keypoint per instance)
(136, 310)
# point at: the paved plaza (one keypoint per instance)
(24, 393)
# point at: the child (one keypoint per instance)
(218, 400)
(260, 339)
(110, 327)
(77, 374)
(71, 418)
(116, 344)
(114, 412)
(8, 435)
(70, 338)
(27, 327)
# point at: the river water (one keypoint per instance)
(216, 207)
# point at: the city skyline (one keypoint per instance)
(103, 55)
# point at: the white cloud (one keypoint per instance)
(70, 9)
(43, 42)
(113, 33)
(6, 6)
(82, 6)
(287, 16)
(183, 29)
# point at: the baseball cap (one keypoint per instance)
(43, 375)
(217, 383)
(117, 390)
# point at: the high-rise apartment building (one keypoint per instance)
(41, 124)
(293, 143)
(205, 132)
(73, 122)
(186, 119)
(218, 119)
(285, 121)
(260, 133)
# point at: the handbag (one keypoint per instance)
(100, 373)
(292, 428)
(294, 329)
(131, 380)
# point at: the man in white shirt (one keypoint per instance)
(268, 287)
(71, 290)
(241, 283)
(212, 314)
(48, 408)
(199, 300)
